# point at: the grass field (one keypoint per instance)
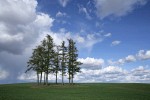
(101, 91)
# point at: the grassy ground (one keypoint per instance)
(100, 91)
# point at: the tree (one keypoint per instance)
(56, 62)
(34, 63)
(41, 60)
(49, 55)
(63, 50)
(73, 64)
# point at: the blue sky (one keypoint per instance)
(112, 37)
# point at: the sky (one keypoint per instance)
(112, 37)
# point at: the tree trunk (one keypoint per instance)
(72, 79)
(41, 78)
(56, 77)
(44, 79)
(37, 78)
(62, 77)
(69, 78)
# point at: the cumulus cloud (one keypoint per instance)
(19, 23)
(43, 21)
(106, 74)
(64, 2)
(91, 63)
(17, 11)
(116, 8)
(114, 43)
(130, 58)
(85, 11)
(114, 74)
(143, 55)
(139, 74)
(20, 28)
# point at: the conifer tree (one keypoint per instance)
(63, 52)
(73, 64)
(49, 54)
(56, 62)
(34, 63)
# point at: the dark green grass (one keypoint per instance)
(101, 91)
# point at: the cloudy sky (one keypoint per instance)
(112, 37)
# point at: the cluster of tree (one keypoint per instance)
(50, 58)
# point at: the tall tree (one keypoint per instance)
(49, 54)
(41, 60)
(73, 64)
(34, 63)
(63, 50)
(56, 62)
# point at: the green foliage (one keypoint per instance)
(50, 58)
(73, 64)
(63, 58)
(102, 91)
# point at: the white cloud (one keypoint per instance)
(114, 74)
(107, 35)
(43, 20)
(64, 2)
(143, 55)
(3, 74)
(19, 23)
(116, 8)
(130, 58)
(61, 14)
(112, 70)
(106, 74)
(139, 74)
(82, 41)
(20, 28)
(114, 43)
(84, 10)
(121, 61)
(17, 11)
(92, 71)
(91, 63)
(9, 38)
(92, 39)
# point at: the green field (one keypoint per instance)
(101, 91)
